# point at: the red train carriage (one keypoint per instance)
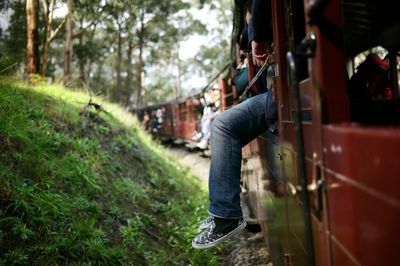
(158, 119)
(171, 120)
(180, 119)
(186, 115)
(325, 188)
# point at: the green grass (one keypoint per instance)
(85, 187)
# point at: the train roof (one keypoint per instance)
(152, 106)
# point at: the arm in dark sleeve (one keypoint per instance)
(261, 21)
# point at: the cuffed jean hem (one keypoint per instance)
(226, 214)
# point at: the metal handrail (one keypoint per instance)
(294, 85)
(265, 66)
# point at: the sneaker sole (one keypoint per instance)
(227, 236)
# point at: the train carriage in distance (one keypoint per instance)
(172, 120)
(179, 120)
(325, 186)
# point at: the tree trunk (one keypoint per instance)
(48, 13)
(32, 46)
(81, 60)
(98, 77)
(68, 46)
(129, 73)
(118, 87)
(178, 83)
(140, 73)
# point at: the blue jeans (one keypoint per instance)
(231, 130)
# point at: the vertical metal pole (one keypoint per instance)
(294, 85)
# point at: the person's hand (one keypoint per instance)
(259, 51)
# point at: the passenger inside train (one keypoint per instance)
(371, 90)
(371, 81)
(240, 76)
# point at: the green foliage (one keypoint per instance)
(13, 40)
(215, 55)
(97, 26)
(15, 257)
(83, 187)
(36, 79)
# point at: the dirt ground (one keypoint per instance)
(247, 248)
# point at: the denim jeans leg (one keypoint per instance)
(231, 130)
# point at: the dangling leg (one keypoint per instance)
(231, 130)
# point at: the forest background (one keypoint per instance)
(133, 53)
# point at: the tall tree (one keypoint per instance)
(218, 40)
(13, 39)
(32, 46)
(129, 54)
(166, 39)
(49, 35)
(68, 45)
(87, 15)
(154, 31)
(140, 71)
(119, 60)
(116, 24)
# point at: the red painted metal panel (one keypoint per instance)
(367, 156)
(341, 257)
(177, 121)
(362, 170)
(166, 126)
(329, 56)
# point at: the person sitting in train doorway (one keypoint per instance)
(241, 77)
(153, 123)
(201, 104)
(231, 130)
(209, 113)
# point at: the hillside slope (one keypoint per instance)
(80, 185)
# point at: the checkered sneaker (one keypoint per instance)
(219, 230)
(206, 222)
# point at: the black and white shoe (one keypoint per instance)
(218, 231)
(206, 223)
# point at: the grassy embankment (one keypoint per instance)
(81, 186)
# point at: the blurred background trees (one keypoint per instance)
(128, 51)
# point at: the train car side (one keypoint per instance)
(324, 189)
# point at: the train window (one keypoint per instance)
(373, 83)
(193, 111)
(373, 87)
